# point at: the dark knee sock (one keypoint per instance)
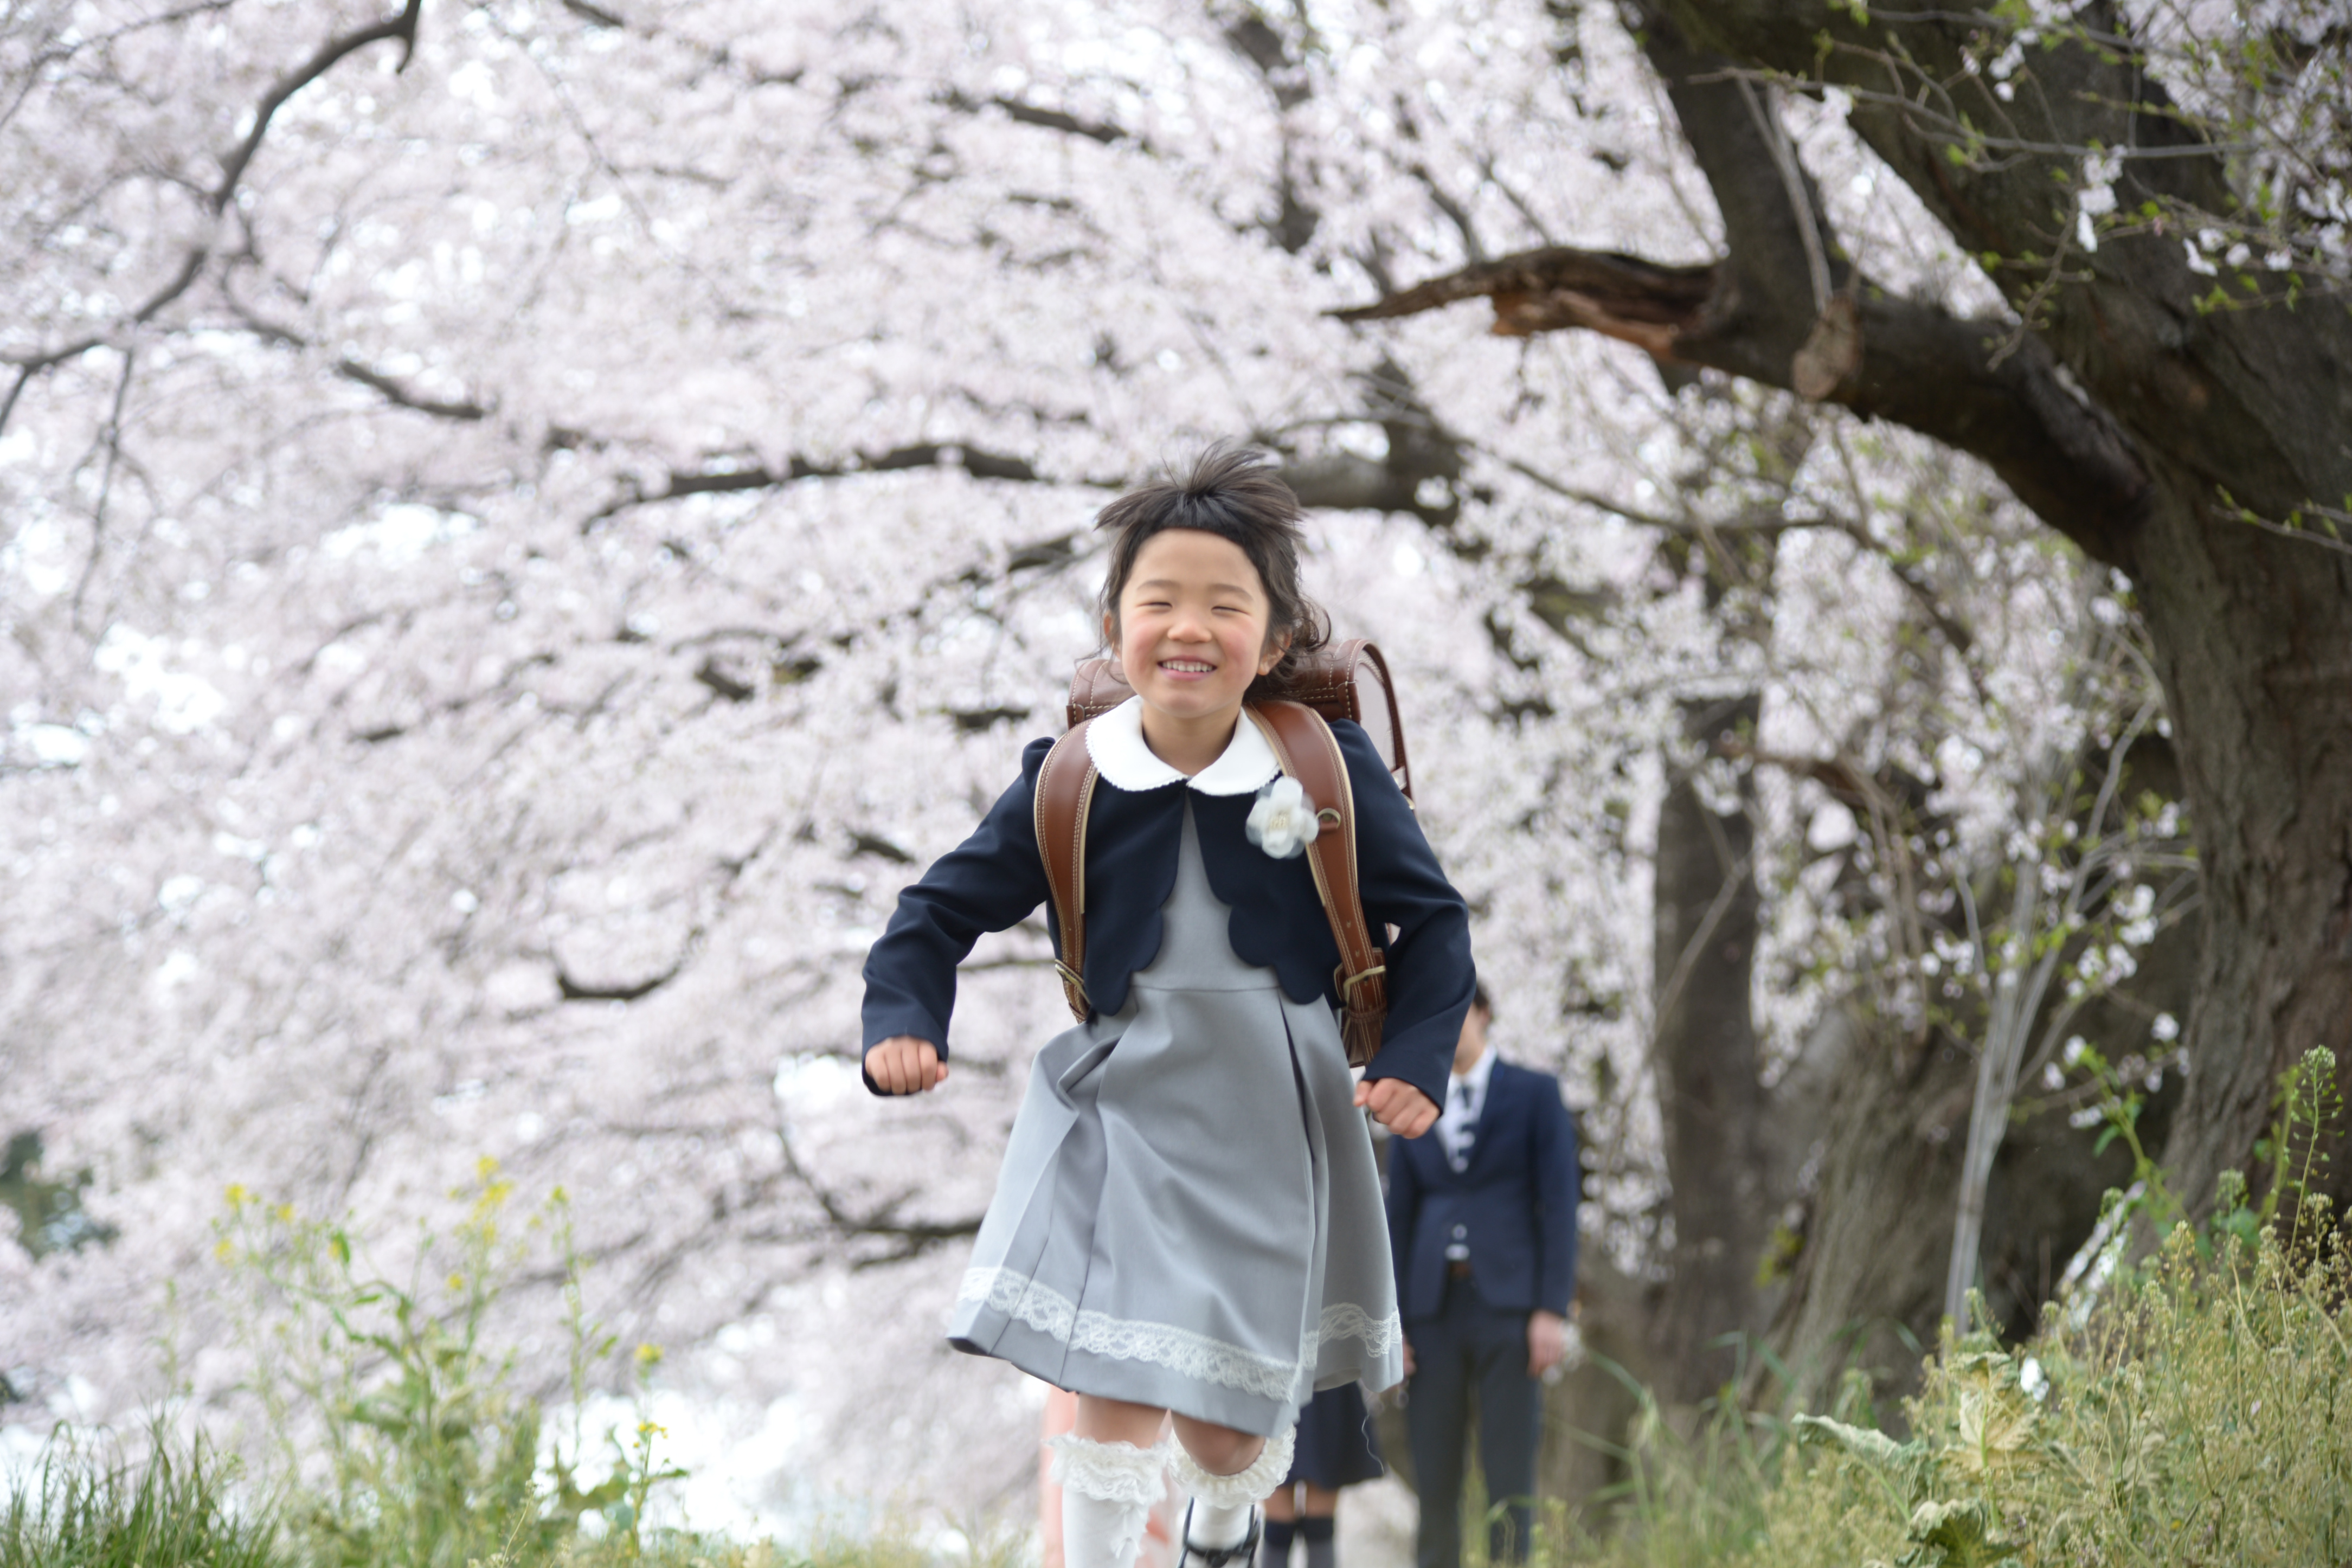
(1322, 1551)
(1274, 1549)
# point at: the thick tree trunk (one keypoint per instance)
(2253, 639)
(1704, 1057)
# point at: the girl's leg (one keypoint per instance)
(1281, 1525)
(1119, 1421)
(1317, 1526)
(1226, 1472)
(1113, 1468)
(1222, 1451)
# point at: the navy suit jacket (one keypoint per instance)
(994, 879)
(1514, 1207)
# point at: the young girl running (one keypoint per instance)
(1188, 1219)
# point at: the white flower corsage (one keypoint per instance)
(1282, 821)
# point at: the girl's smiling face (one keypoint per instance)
(1191, 628)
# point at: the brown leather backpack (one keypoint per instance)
(1345, 680)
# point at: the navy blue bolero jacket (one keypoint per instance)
(994, 879)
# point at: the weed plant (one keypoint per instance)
(2193, 1410)
(2204, 1416)
(402, 1440)
(1696, 1492)
(84, 1507)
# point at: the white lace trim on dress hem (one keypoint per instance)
(1188, 1354)
(1381, 1336)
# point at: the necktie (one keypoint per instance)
(1458, 1112)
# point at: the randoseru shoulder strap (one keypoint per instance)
(1304, 744)
(1065, 789)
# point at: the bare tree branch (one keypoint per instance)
(2206, 389)
(626, 991)
(1108, 135)
(1980, 385)
(1913, 363)
(402, 27)
(394, 391)
(912, 1238)
(1558, 285)
(112, 437)
(1455, 213)
(977, 461)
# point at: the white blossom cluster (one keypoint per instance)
(2272, 82)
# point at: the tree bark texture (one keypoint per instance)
(2163, 433)
(1884, 1142)
(1868, 1282)
(2253, 635)
(1707, 1069)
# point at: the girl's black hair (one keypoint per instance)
(1235, 493)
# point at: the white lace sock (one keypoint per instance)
(1108, 1491)
(1220, 1515)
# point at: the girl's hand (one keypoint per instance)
(1395, 1105)
(904, 1065)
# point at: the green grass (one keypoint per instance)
(2202, 1416)
(78, 1508)
(2194, 1410)
(182, 1506)
(2205, 1416)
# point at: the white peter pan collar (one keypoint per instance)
(1115, 741)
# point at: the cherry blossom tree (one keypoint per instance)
(528, 523)
(2151, 357)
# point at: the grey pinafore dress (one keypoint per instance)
(1187, 1215)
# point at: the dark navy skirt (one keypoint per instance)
(1336, 1445)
